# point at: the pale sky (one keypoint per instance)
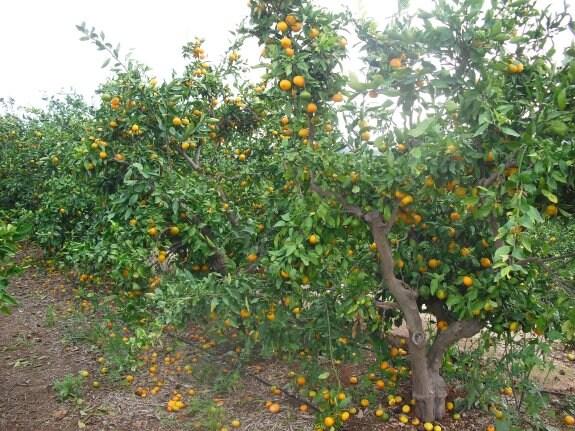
(41, 54)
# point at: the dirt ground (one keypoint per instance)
(37, 348)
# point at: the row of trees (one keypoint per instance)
(332, 205)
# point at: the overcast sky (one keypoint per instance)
(41, 54)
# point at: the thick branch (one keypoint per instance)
(386, 305)
(230, 214)
(539, 260)
(195, 164)
(191, 162)
(542, 262)
(405, 297)
(328, 194)
(455, 332)
(197, 155)
(486, 182)
(494, 226)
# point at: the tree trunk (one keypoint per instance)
(428, 386)
(428, 391)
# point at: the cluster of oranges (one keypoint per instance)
(514, 67)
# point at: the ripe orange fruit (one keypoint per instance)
(311, 108)
(551, 210)
(442, 325)
(395, 63)
(285, 85)
(153, 231)
(313, 239)
(337, 97)
(174, 231)
(468, 281)
(313, 33)
(285, 42)
(282, 26)
(512, 68)
(300, 381)
(274, 408)
(328, 421)
(176, 121)
(364, 402)
(299, 81)
(433, 263)
(303, 133)
(406, 200)
(291, 20)
(485, 262)
(353, 380)
(569, 420)
(252, 257)
(454, 216)
(296, 27)
(103, 155)
(344, 416)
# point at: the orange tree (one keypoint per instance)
(312, 208)
(453, 175)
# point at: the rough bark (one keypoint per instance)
(428, 386)
(423, 385)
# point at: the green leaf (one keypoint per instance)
(526, 221)
(106, 62)
(323, 376)
(501, 37)
(471, 200)
(549, 196)
(510, 132)
(214, 304)
(422, 127)
(502, 254)
(386, 213)
(451, 106)
(562, 99)
(558, 127)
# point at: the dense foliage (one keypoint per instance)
(313, 208)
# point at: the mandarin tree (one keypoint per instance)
(452, 174)
(313, 208)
